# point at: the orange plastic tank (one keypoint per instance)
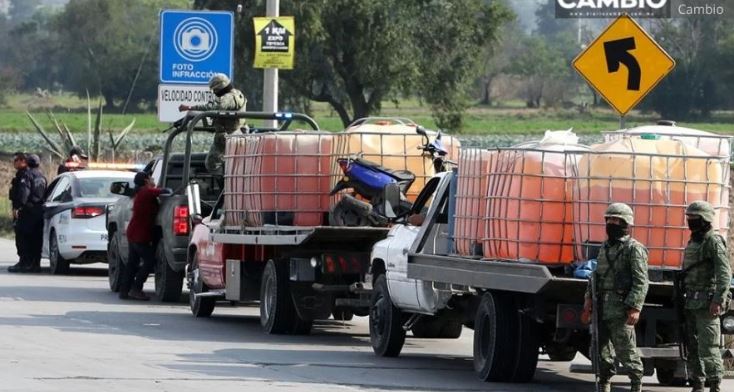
(278, 178)
(710, 143)
(393, 144)
(471, 200)
(529, 208)
(658, 179)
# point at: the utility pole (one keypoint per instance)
(270, 76)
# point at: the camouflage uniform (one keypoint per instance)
(232, 100)
(622, 282)
(705, 283)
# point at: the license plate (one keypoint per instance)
(104, 237)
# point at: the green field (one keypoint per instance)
(509, 119)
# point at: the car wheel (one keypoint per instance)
(58, 265)
(168, 283)
(200, 306)
(277, 311)
(386, 328)
(114, 264)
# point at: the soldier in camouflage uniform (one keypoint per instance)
(621, 281)
(707, 279)
(226, 98)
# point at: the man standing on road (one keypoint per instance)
(140, 238)
(621, 281)
(226, 98)
(706, 280)
(20, 180)
(34, 212)
(26, 195)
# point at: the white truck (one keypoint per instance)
(515, 309)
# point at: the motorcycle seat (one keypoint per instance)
(399, 175)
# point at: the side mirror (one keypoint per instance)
(193, 198)
(121, 188)
(391, 198)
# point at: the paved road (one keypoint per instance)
(71, 333)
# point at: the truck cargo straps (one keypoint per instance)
(491, 275)
(300, 235)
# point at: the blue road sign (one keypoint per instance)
(195, 45)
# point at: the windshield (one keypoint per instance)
(99, 187)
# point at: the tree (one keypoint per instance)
(22, 10)
(30, 52)
(104, 42)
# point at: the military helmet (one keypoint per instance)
(621, 211)
(218, 82)
(702, 209)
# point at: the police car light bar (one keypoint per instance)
(104, 165)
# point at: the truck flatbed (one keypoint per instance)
(304, 236)
(512, 276)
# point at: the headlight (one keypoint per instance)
(728, 323)
(315, 263)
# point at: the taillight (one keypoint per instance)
(86, 212)
(181, 220)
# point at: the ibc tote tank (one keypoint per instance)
(529, 206)
(471, 199)
(658, 179)
(392, 143)
(279, 178)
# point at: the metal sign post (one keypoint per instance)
(270, 76)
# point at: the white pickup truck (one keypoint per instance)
(517, 310)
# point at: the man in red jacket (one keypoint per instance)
(140, 238)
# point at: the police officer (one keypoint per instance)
(622, 282)
(707, 279)
(21, 169)
(34, 211)
(226, 98)
(27, 193)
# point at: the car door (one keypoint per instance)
(53, 208)
(211, 253)
(404, 291)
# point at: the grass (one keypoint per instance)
(509, 119)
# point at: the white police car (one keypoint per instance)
(74, 217)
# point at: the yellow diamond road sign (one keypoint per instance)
(623, 64)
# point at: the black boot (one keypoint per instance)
(18, 267)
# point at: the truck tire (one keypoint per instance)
(437, 328)
(277, 311)
(57, 264)
(386, 330)
(200, 306)
(495, 338)
(528, 348)
(113, 264)
(168, 283)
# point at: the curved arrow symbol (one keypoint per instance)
(617, 52)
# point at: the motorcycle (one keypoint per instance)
(373, 183)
